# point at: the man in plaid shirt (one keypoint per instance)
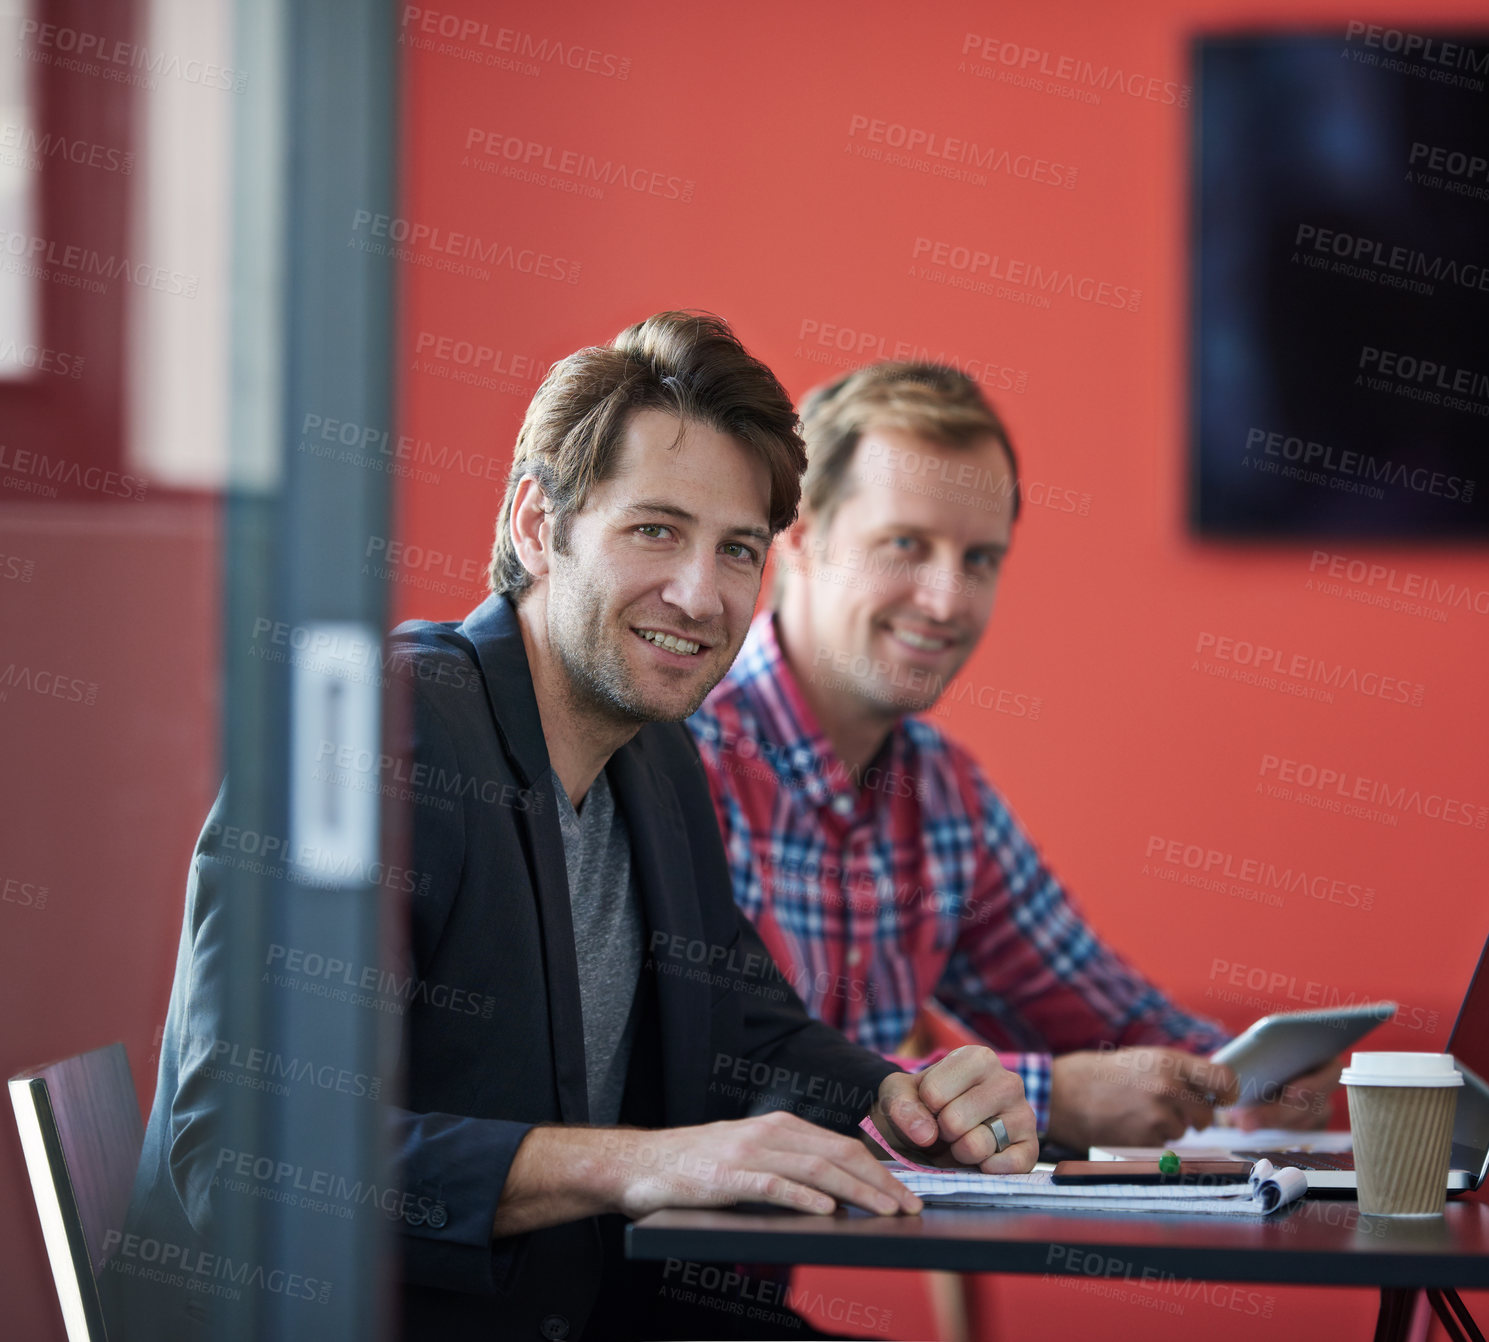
(881, 867)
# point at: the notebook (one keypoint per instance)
(1269, 1189)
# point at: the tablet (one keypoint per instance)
(1277, 1048)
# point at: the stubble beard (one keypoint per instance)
(883, 697)
(600, 680)
(891, 702)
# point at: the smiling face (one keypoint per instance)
(886, 599)
(652, 597)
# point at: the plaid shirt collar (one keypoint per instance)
(791, 739)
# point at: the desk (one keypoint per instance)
(1314, 1243)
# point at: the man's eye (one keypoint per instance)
(984, 559)
(737, 551)
(653, 530)
(903, 542)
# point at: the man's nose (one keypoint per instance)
(941, 592)
(693, 587)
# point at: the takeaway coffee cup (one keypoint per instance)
(1401, 1109)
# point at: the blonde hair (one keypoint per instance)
(928, 399)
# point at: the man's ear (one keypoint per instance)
(794, 545)
(532, 526)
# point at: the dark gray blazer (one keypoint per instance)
(720, 1033)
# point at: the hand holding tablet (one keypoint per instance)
(1282, 1047)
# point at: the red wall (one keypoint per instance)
(101, 799)
(789, 231)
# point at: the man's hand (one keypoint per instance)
(1303, 1103)
(1133, 1096)
(562, 1174)
(939, 1116)
(776, 1158)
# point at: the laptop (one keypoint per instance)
(1334, 1171)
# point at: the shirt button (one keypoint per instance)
(438, 1216)
(842, 803)
(555, 1328)
(415, 1216)
(854, 956)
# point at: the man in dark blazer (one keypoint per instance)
(636, 1047)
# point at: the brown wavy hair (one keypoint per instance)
(688, 364)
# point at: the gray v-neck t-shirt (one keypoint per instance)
(608, 937)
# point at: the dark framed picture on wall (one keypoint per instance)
(1340, 285)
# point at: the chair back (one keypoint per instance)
(81, 1134)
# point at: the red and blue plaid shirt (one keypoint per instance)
(913, 881)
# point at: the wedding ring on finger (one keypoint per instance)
(1000, 1134)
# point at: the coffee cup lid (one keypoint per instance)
(1401, 1069)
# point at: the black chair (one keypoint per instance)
(81, 1133)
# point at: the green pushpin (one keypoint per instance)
(1168, 1162)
